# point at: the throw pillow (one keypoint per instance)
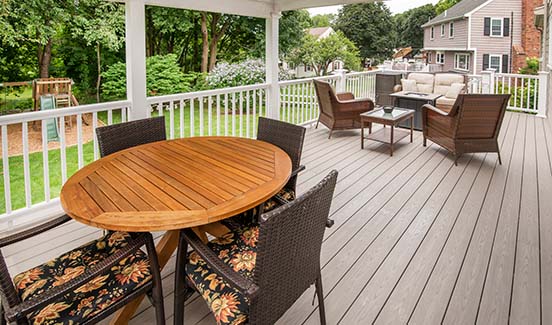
(455, 90)
(409, 85)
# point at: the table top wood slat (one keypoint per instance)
(175, 184)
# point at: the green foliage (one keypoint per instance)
(323, 20)
(321, 53)
(408, 26)
(523, 95)
(292, 28)
(443, 5)
(163, 77)
(369, 26)
(532, 66)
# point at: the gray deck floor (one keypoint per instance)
(416, 239)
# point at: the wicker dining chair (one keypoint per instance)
(255, 274)
(472, 125)
(339, 111)
(84, 285)
(116, 137)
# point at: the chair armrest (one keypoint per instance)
(33, 231)
(437, 120)
(235, 279)
(53, 294)
(297, 170)
(345, 96)
(432, 108)
(397, 88)
(356, 105)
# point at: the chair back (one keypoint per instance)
(479, 116)
(122, 136)
(288, 251)
(286, 136)
(326, 97)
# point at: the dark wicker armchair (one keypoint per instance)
(82, 286)
(472, 125)
(339, 111)
(256, 273)
(121, 136)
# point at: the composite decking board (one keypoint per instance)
(544, 179)
(494, 307)
(388, 242)
(525, 306)
(467, 286)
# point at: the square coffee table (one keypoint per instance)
(386, 135)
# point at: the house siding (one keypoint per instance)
(449, 61)
(495, 45)
(460, 39)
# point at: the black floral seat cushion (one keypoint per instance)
(238, 249)
(92, 298)
(246, 218)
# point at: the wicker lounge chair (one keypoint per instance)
(472, 125)
(339, 111)
(256, 273)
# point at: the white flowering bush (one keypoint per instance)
(248, 72)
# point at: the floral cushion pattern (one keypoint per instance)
(238, 249)
(92, 298)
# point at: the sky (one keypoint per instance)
(396, 6)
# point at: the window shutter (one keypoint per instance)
(505, 63)
(506, 27)
(487, 28)
(485, 62)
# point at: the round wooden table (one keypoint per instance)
(176, 184)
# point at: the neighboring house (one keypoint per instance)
(475, 35)
(305, 71)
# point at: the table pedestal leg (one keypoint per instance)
(165, 248)
(392, 140)
(361, 135)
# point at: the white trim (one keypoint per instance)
(443, 30)
(501, 27)
(250, 8)
(451, 30)
(272, 68)
(432, 33)
(499, 70)
(446, 49)
(135, 36)
(457, 56)
(437, 57)
(477, 9)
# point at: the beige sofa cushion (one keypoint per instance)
(409, 85)
(455, 90)
(443, 82)
(424, 81)
(445, 103)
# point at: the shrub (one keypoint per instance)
(520, 98)
(248, 72)
(531, 67)
(163, 77)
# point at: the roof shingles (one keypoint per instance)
(457, 11)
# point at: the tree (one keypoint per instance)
(443, 5)
(408, 26)
(323, 20)
(36, 22)
(101, 24)
(292, 28)
(369, 26)
(321, 53)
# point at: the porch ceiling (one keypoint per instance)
(253, 8)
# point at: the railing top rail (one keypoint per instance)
(204, 93)
(526, 76)
(59, 112)
(306, 80)
(351, 74)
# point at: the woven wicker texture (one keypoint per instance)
(287, 137)
(472, 125)
(117, 137)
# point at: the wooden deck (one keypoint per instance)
(416, 239)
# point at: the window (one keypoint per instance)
(432, 32)
(308, 68)
(496, 27)
(442, 30)
(440, 58)
(451, 30)
(495, 62)
(462, 61)
(429, 57)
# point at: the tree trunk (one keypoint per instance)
(205, 43)
(99, 66)
(216, 36)
(44, 58)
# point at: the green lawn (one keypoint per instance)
(11, 101)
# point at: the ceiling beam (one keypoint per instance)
(286, 5)
(250, 8)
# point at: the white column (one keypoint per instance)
(136, 58)
(543, 93)
(272, 56)
(488, 80)
(341, 82)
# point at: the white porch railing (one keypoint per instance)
(32, 177)
(33, 169)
